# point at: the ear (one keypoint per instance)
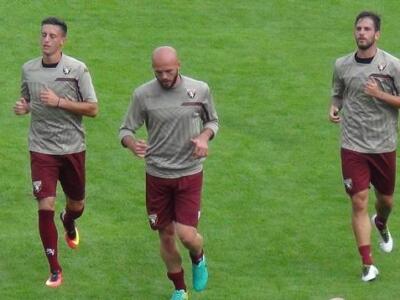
(63, 40)
(377, 35)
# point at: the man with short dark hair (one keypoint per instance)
(57, 90)
(365, 100)
(180, 119)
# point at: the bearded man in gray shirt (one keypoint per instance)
(365, 100)
(57, 91)
(180, 119)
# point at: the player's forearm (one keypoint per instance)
(128, 141)
(337, 102)
(207, 134)
(89, 109)
(388, 98)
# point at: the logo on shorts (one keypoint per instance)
(191, 93)
(153, 219)
(348, 183)
(37, 186)
(198, 215)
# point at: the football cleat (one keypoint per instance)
(369, 273)
(385, 238)
(200, 275)
(180, 295)
(55, 279)
(71, 237)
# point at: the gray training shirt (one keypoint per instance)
(368, 125)
(172, 118)
(54, 130)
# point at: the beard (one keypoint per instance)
(169, 85)
(364, 46)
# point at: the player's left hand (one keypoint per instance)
(200, 146)
(49, 98)
(371, 88)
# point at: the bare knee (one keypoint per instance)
(75, 205)
(187, 235)
(48, 203)
(167, 237)
(360, 202)
(385, 200)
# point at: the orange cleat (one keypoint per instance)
(73, 243)
(55, 279)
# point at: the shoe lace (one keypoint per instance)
(178, 294)
(385, 235)
(365, 270)
(54, 276)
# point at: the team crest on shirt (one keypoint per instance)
(191, 93)
(381, 67)
(66, 70)
(348, 183)
(153, 219)
(37, 186)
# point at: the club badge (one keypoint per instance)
(191, 93)
(381, 67)
(37, 186)
(348, 183)
(66, 70)
(153, 219)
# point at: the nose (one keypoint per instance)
(164, 75)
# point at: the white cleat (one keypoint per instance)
(369, 273)
(385, 238)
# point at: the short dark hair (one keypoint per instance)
(56, 21)
(373, 16)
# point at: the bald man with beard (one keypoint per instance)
(180, 119)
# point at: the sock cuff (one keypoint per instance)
(46, 213)
(173, 276)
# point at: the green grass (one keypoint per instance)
(275, 219)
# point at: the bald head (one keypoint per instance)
(166, 66)
(165, 54)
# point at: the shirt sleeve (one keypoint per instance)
(85, 84)
(396, 78)
(133, 120)
(337, 88)
(24, 87)
(211, 120)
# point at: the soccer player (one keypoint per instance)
(57, 90)
(365, 100)
(180, 119)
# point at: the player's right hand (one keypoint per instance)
(21, 107)
(334, 116)
(140, 148)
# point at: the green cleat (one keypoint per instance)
(180, 295)
(200, 275)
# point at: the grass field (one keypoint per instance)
(275, 217)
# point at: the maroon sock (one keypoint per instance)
(49, 236)
(366, 256)
(380, 222)
(178, 279)
(196, 258)
(69, 220)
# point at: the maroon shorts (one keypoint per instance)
(69, 169)
(361, 169)
(175, 199)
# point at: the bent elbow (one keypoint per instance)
(93, 111)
